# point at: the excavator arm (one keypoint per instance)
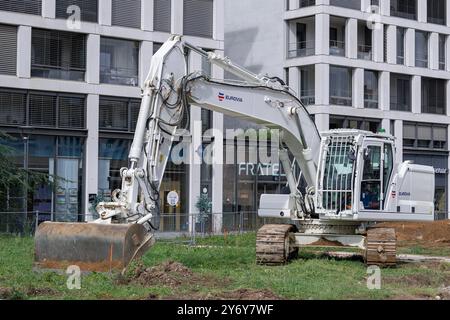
(167, 93)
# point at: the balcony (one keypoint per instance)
(344, 98)
(370, 101)
(308, 97)
(301, 49)
(365, 52)
(337, 48)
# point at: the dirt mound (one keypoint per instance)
(322, 242)
(172, 274)
(437, 232)
(40, 292)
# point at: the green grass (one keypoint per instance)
(231, 261)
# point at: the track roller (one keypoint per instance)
(275, 244)
(381, 247)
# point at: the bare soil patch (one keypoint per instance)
(32, 291)
(240, 294)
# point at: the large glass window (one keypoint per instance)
(350, 4)
(422, 49)
(162, 15)
(340, 86)
(400, 92)
(371, 181)
(370, 89)
(119, 61)
(442, 51)
(8, 42)
(22, 6)
(437, 11)
(404, 9)
(401, 32)
(58, 55)
(425, 136)
(308, 85)
(198, 18)
(88, 9)
(126, 13)
(118, 114)
(433, 96)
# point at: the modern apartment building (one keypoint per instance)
(70, 78)
(369, 65)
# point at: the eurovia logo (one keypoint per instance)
(223, 97)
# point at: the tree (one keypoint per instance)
(204, 206)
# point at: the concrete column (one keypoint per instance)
(433, 51)
(105, 12)
(322, 34)
(378, 43)
(293, 4)
(358, 88)
(384, 83)
(217, 179)
(219, 20)
(410, 48)
(448, 25)
(385, 7)
(322, 121)
(391, 44)
(416, 91)
(93, 59)
(322, 84)
(365, 5)
(195, 158)
(292, 38)
(351, 38)
(147, 15)
(145, 55)
(49, 8)
(386, 125)
(177, 16)
(90, 172)
(24, 52)
(448, 98)
(422, 11)
(295, 80)
(398, 127)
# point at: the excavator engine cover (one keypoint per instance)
(90, 246)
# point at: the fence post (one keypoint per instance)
(241, 222)
(37, 221)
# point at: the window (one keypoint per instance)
(337, 36)
(366, 124)
(401, 32)
(119, 61)
(126, 13)
(118, 114)
(198, 18)
(350, 4)
(433, 96)
(371, 181)
(22, 6)
(422, 49)
(206, 115)
(42, 109)
(88, 9)
(404, 9)
(370, 89)
(400, 92)
(388, 166)
(8, 43)
(340, 86)
(424, 136)
(307, 85)
(436, 11)
(162, 15)
(442, 40)
(58, 55)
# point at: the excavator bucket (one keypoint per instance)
(90, 246)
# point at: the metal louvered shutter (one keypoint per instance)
(12, 108)
(113, 114)
(126, 13)
(22, 6)
(198, 18)
(8, 53)
(162, 15)
(135, 106)
(88, 8)
(71, 112)
(42, 110)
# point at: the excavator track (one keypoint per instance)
(275, 244)
(381, 247)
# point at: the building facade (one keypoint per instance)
(368, 64)
(70, 79)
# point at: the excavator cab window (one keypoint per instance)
(372, 180)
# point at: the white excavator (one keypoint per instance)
(352, 178)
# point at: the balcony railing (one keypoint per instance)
(343, 98)
(308, 97)
(441, 65)
(120, 76)
(441, 21)
(398, 104)
(371, 101)
(301, 4)
(406, 13)
(365, 52)
(422, 62)
(400, 60)
(301, 49)
(337, 48)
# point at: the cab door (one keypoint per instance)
(372, 191)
